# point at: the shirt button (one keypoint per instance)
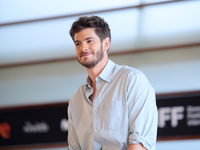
(103, 147)
(96, 130)
(96, 110)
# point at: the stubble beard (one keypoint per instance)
(94, 61)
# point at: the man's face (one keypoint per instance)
(89, 48)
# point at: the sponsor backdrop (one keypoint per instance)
(33, 126)
(178, 116)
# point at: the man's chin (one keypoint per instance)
(88, 64)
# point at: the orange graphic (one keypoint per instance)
(5, 130)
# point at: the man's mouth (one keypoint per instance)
(85, 54)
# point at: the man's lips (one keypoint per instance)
(85, 54)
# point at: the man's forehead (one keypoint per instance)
(85, 34)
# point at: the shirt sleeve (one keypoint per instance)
(72, 136)
(142, 109)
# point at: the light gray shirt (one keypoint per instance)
(123, 111)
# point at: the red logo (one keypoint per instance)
(5, 130)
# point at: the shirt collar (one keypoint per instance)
(107, 72)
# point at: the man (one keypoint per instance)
(115, 109)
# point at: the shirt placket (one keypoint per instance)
(96, 115)
(95, 112)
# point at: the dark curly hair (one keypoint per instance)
(101, 27)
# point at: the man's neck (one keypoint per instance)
(96, 70)
(93, 73)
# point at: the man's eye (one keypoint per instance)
(90, 41)
(77, 44)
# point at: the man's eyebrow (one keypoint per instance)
(76, 41)
(88, 38)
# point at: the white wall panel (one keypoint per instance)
(36, 41)
(175, 70)
(178, 145)
(19, 10)
(50, 39)
(155, 1)
(46, 83)
(170, 24)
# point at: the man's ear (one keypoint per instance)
(106, 43)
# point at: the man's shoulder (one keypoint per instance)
(124, 69)
(77, 94)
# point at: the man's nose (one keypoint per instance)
(84, 47)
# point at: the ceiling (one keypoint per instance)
(38, 30)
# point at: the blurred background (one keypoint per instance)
(38, 61)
